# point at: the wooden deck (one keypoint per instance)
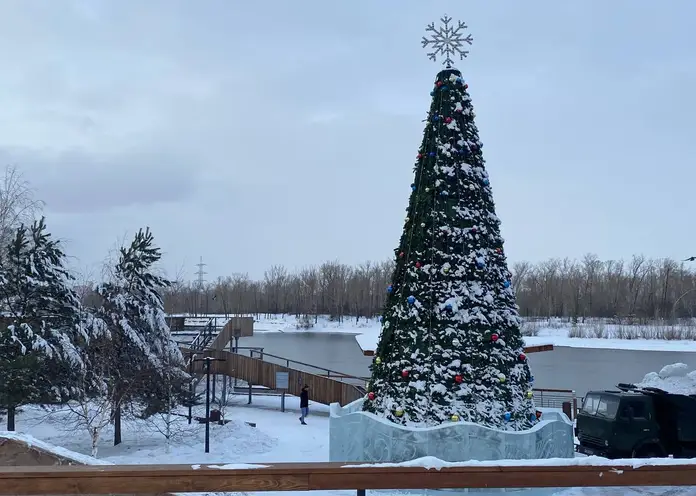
(258, 372)
(332, 388)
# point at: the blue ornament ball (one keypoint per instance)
(432, 93)
(532, 417)
(431, 154)
(486, 182)
(480, 264)
(443, 193)
(448, 307)
(390, 288)
(531, 379)
(436, 118)
(459, 80)
(507, 416)
(413, 187)
(411, 300)
(506, 284)
(444, 88)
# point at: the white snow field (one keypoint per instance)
(596, 334)
(277, 437)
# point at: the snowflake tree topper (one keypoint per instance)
(447, 40)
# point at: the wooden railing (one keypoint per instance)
(254, 371)
(314, 369)
(159, 479)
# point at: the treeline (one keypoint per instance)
(635, 289)
(105, 358)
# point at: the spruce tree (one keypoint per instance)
(41, 335)
(146, 366)
(451, 347)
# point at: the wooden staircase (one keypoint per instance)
(341, 388)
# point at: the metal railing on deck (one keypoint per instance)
(259, 353)
(556, 398)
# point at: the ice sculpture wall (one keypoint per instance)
(357, 436)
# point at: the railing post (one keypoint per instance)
(575, 406)
(360, 492)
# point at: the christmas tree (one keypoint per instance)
(451, 347)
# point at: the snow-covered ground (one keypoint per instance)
(592, 334)
(277, 437)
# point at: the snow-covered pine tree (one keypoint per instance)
(146, 364)
(451, 347)
(41, 335)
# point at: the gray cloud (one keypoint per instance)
(286, 132)
(76, 181)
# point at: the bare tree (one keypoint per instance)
(17, 203)
(92, 412)
(622, 290)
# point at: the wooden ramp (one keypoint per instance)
(258, 372)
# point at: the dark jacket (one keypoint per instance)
(304, 399)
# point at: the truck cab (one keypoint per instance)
(635, 422)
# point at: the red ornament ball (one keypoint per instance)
(438, 84)
(473, 229)
(371, 395)
(458, 378)
(404, 373)
(401, 254)
(494, 337)
(448, 120)
(418, 265)
(523, 357)
(419, 156)
(466, 86)
(499, 250)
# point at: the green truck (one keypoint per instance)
(637, 422)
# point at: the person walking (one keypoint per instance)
(304, 403)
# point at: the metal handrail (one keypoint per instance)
(288, 361)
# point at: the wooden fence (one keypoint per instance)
(159, 479)
(261, 373)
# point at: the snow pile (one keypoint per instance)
(674, 378)
(432, 463)
(58, 451)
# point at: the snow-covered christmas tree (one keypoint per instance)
(451, 347)
(41, 335)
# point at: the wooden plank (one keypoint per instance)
(153, 479)
(538, 348)
(527, 349)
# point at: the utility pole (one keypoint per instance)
(207, 361)
(201, 281)
(192, 392)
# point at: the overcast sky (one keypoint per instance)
(277, 132)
